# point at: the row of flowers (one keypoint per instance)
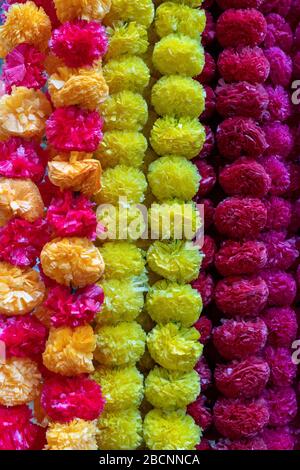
(47, 305)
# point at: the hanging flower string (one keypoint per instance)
(71, 264)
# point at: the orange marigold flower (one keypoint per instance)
(19, 198)
(24, 23)
(84, 9)
(76, 435)
(52, 64)
(21, 290)
(24, 113)
(70, 351)
(19, 381)
(72, 262)
(83, 87)
(79, 172)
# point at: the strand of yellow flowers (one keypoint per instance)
(120, 334)
(77, 88)
(176, 137)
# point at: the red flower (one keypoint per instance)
(79, 43)
(67, 398)
(21, 242)
(74, 129)
(21, 159)
(17, 432)
(23, 336)
(73, 309)
(72, 215)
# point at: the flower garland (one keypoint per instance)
(176, 137)
(70, 262)
(120, 336)
(253, 222)
(24, 109)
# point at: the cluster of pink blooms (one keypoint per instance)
(249, 274)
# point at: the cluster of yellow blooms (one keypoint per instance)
(120, 338)
(176, 137)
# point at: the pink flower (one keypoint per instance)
(24, 336)
(17, 432)
(21, 159)
(24, 66)
(73, 309)
(74, 129)
(79, 43)
(71, 215)
(66, 398)
(21, 242)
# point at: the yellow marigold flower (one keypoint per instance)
(127, 38)
(141, 11)
(122, 260)
(70, 351)
(122, 181)
(76, 435)
(120, 345)
(180, 54)
(120, 430)
(68, 10)
(126, 73)
(23, 113)
(122, 148)
(170, 430)
(78, 172)
(174, 220)
(19, 198)
(72, 262)
(19, 381)
(174, 347)
(190, 3)
(169, 301)
(24, 23)
(177, 261)
(123, 301)
(125, 222)
(85, 87)
(173, 18)
(170, 390)
(21, 290)
(124, 111)
(179, 96)
(122, 387)
(183, 136)
(168, 178)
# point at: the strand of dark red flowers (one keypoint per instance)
(243, 102)
(206, 163)
(24, 110)
(71, 401)
(281, 243)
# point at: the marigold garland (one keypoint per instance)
(54, 282)
(120, 338)
(176, 137)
